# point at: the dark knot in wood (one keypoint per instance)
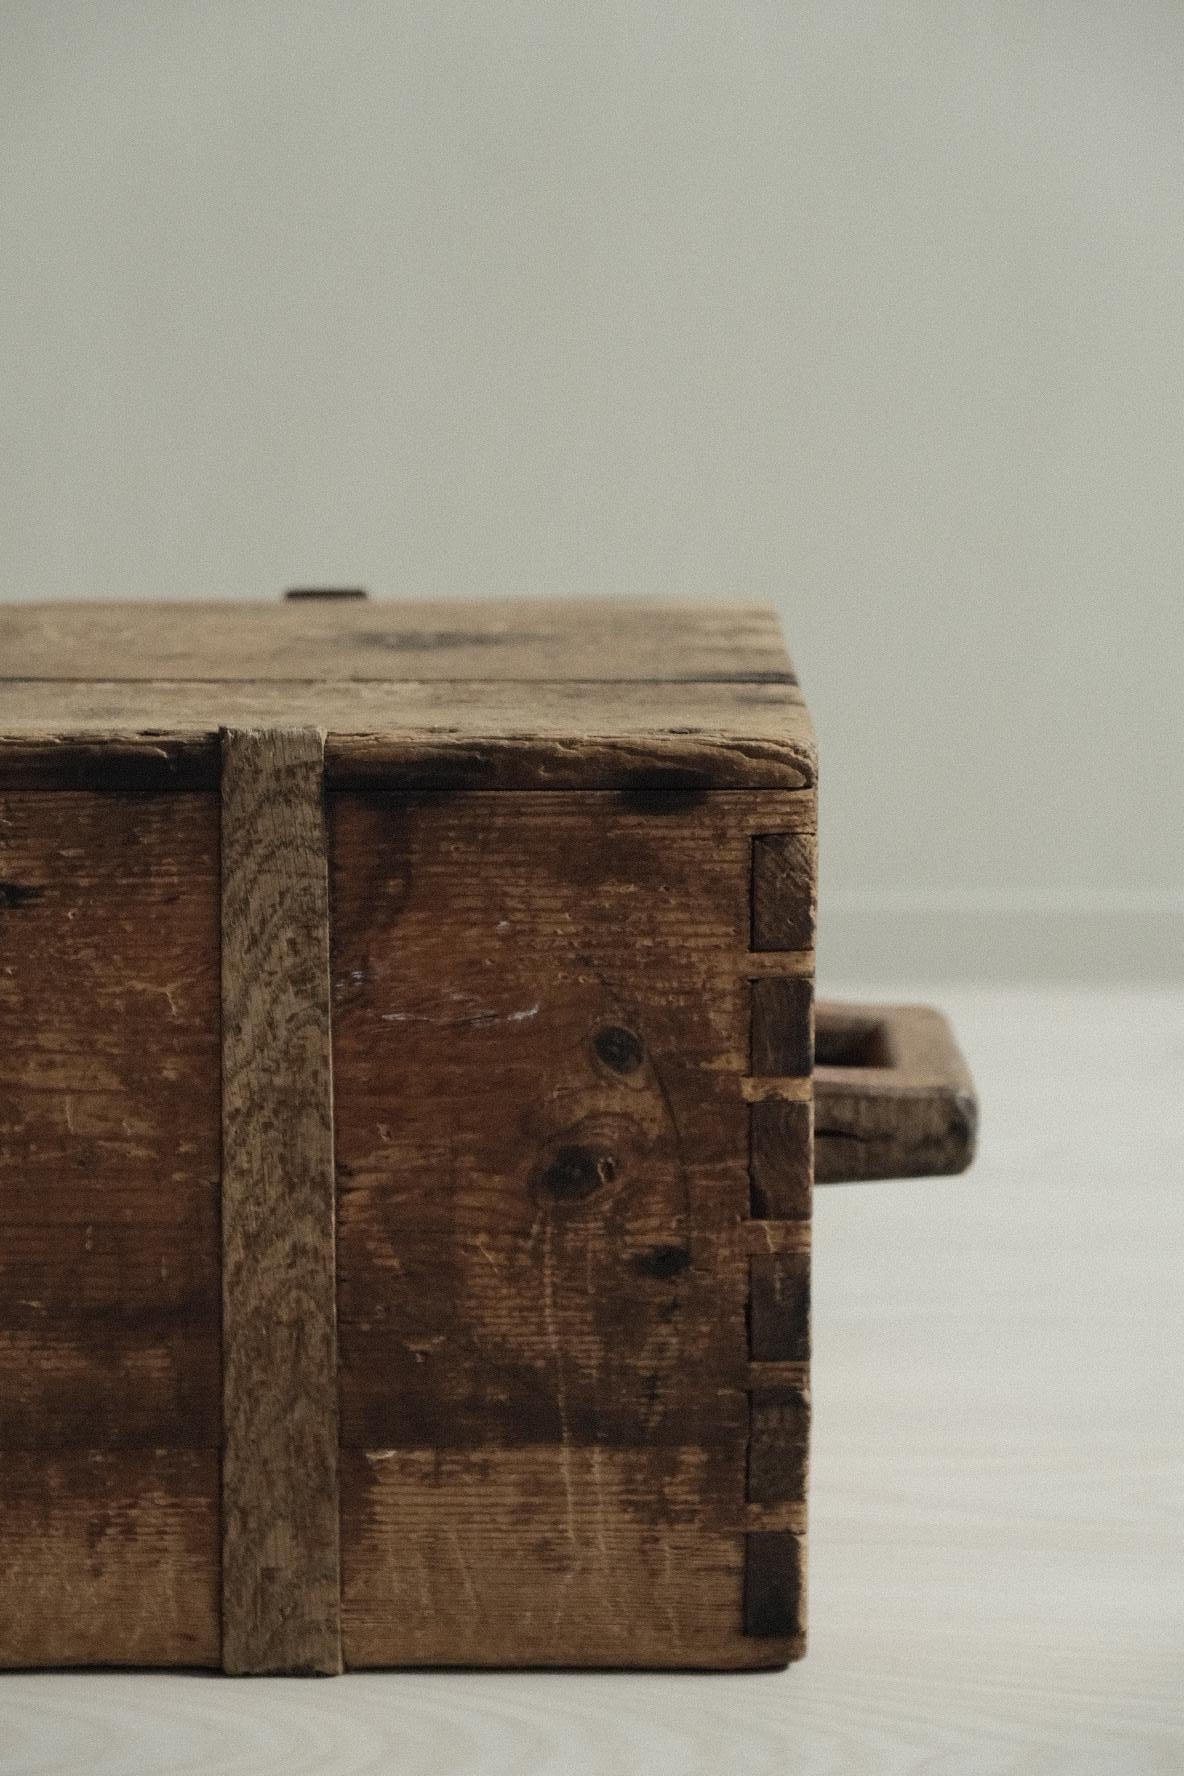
(18, 894)
(619, 1049)
(573, 1173)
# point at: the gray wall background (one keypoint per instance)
(873, 310)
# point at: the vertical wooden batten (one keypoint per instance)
(280, 1513)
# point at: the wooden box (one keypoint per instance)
(406, 1047)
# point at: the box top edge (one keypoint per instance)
(504, 692)
(495, 640)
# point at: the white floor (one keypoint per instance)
(997, 1535)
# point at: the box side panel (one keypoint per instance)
(110, 1366)
(542, 1035)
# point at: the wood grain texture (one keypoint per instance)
(779, 1307)
(995, 1532)
(778, 1444)
(280, 1517)
(546, 1164)
(588, 1554)
(415, 735)
(110, 1364)
(541, 1021)
(781, 1164)
(110, 1558)
(494, 640)
(783, 1027)
(783, 892)
(895, 1098)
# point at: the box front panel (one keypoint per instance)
(545, 1126)
(110, 1367)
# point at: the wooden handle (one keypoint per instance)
(893, 1097)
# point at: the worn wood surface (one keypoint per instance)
(580, 1554)
(507, 694)
(782, 1027)
(435, 734)
(893, 1095)
(995, 1532)
(784, 892)
(110, 1367)
(280, 1516)
(499, 639)
(779, 1443)
(542, 1029)
(573, 1045)
(781, 1159)
(110, 1557)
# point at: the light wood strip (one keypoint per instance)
(789, 1091)
(281, 1564)
(759, 963)
(758, 1237)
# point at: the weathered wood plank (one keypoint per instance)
(280, 1564)
(538, 1115)
(541, 1028)
(496, 639)
(547, 1556)
(110, 1558)
(413, 735)
(110, 1367)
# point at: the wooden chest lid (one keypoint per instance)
(428, 694)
